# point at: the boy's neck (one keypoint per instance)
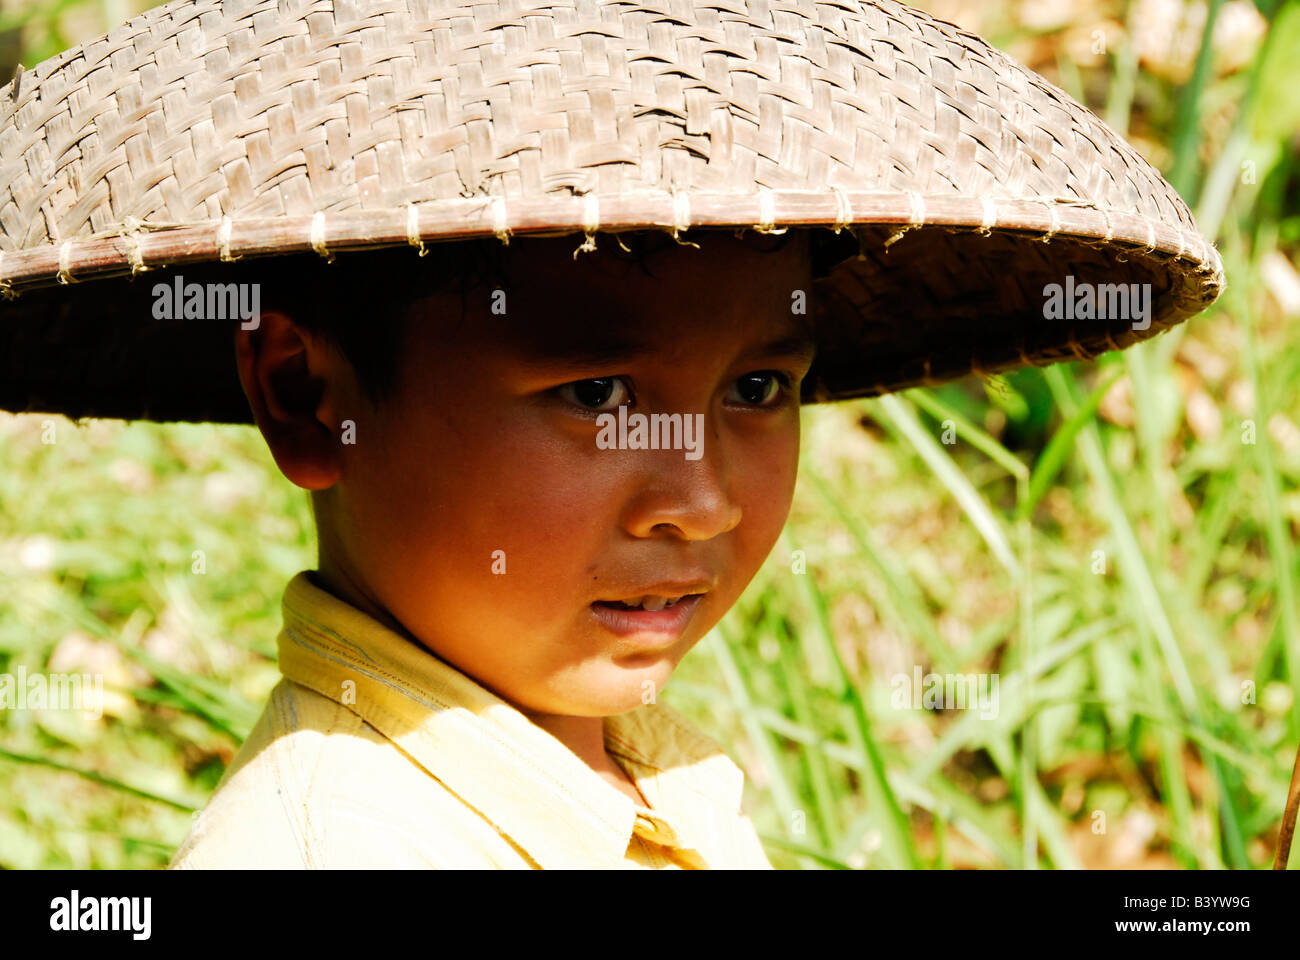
(334, 579)
(585, 736)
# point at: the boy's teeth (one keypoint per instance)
(649, 603)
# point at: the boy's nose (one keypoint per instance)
(688, 499)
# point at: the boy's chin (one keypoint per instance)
(617, 688)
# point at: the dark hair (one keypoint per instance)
(361, 302)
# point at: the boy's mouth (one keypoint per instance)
(660, 618)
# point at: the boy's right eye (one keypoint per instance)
(603, 394)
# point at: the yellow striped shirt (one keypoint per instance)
(374, 753)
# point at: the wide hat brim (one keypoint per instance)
(202, 131)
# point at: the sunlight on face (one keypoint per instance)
(480, 510)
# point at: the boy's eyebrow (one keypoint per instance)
(800, 345)
(608, 347)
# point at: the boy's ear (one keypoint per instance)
(290, 378)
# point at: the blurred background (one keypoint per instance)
(1115, 541)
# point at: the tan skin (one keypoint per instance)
(488, 446)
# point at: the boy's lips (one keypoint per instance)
(660, 611)
(657, 627)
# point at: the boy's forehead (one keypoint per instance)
(631, 340)
(605, 308)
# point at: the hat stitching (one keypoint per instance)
(917, 204)
(65, 255)
(682, 216)
(413, 229)
(990, 216)
(843, 212)
(128, 232)
(223, 240)
(767, 213)
(1055, 221)
(590, 223)
(499, 221)
(318, 236)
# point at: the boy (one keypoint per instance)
(535, 494)
(475, 525)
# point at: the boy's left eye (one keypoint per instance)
(758, 389)
(602, 394)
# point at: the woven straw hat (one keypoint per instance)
(205, 131)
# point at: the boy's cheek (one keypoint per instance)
(765, 497)
(765, 487)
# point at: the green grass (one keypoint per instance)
(1123, 566)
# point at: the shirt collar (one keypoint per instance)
(525, 781)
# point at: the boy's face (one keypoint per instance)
(479, 513)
